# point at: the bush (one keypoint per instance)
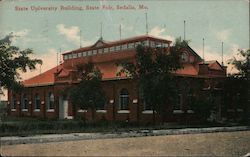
(203, 108)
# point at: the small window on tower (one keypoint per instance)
(184, 57)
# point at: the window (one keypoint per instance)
(94, 52)
(84, 54)
(158, 44)
(137, 43)
(190, 99)
(80, 54)
(123, 99)
(131, 45)
(177, 106)
(112, 49)
(100, 106)
(147, 106)
(13, 103)
(89, 53)
(184, 57)
(152, 44)
(100, 51)
(25, 101)
(124, 46)
(75, 55)
(50, 101)
(106, 50)
(37, 102)
(70, 56)
(118, 48)
(165, 45)
(146, 43)
(65, 57)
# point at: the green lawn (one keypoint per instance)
(11, 126)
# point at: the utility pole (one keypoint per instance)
(146, 23)
(222, 63)
(203, 56)
(184, 30)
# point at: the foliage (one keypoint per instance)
(238, 88)
(243, 64)
(88, 93)
(13, 59)
(203, 107)
(153, 68)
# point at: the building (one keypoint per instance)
(45, 95)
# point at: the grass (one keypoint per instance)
(12, 126)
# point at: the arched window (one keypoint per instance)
(50, 101)
(123, 99)
(184, 57)
(24, 101)
(37, 101)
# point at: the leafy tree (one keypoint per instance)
(12, 61)
(239, 88)
(153, 69)
(88, 93)
(242, 64)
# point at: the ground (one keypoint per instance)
(205, 144)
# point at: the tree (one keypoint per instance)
(12, 61)
(239, 83)
(153, 69)
(88, 93)
(242, 64)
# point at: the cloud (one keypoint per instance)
(160, 32)
(213, 55)
(49, 61)
(71, 33)
(20, 34)
(223, 35)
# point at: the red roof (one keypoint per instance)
(188, 69)
(45, 78)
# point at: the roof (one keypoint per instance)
(188, 69)
(45, 78)
(112, 43)
(106, 64)
(213, 64)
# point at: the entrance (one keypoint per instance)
(63, 107)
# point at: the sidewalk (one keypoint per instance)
(86, 136)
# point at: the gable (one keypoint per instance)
(215, 66)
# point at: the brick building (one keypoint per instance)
(45, 95)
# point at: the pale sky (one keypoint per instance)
(47, 31)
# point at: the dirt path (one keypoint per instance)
(209, 144)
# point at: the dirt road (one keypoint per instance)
(207, 144)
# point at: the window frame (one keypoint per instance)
(37, 106)
(50, 103)
(24, 102)
(124, 99)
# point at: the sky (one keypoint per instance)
(48, 31)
